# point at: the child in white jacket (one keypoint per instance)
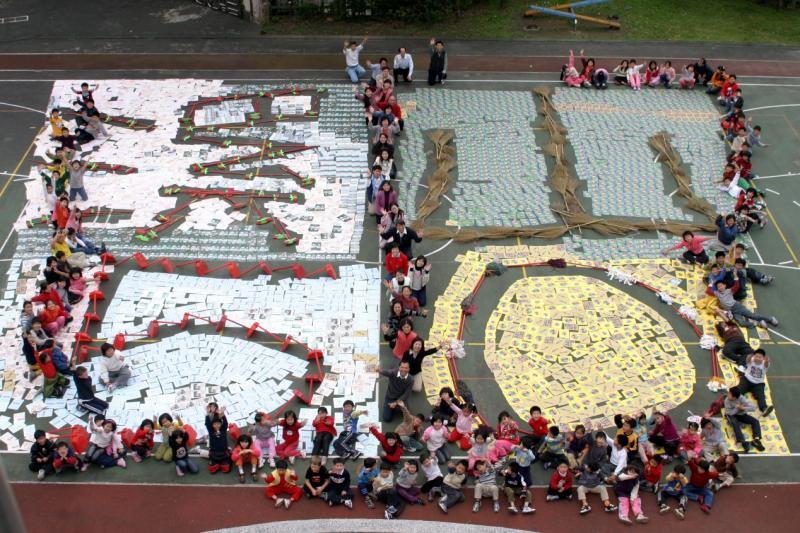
(634, 78)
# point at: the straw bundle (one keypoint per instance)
(661, 143)
(439, 180)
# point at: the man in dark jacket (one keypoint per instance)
(437, 70)
(402, 236)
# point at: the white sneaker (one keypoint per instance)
(291, 460)
(278, 502)
(40, 475)
(348, 504)
(513, 509)
(528, 509)
(272, 462)
(287, 502)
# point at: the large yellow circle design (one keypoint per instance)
(582, 349)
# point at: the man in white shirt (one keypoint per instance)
(351, 51)
(403, 65)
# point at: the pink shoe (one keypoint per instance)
(121, 463)
(148, 453)
(135, 457)
(179, 471)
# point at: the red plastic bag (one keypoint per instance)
(77, 436)
(127, 437)
(192, 434)
(234, 432)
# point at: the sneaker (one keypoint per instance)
(330, 503)
(40, 475)
(443, 507)
(585, 509)
(664, 509)
(551, 497)
(430, 496)
(625, 520)
(419, 501)
(610, 508)
(496, 506)
(179, 472)
(746, 447)
(84, 467)
(476, 506)
(714, 487)
(291, 460)
(513, 509)
(272, 462)
(762, 323)
(348, 504)
(323, 460)
(387, 515)
(757, 445)
(392, 510)
(278, 502)
(121, 463)
(569, 496)
(680, 513)
(261, 462)
(773, 321)
(370, 504)
(642, 519)
(766, 280)
(527, 509)
(768, 410)
(287, 502)
(136, 457)
(547, 465)
(705, 508)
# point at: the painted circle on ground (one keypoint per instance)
(583, 350)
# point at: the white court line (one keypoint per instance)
(776, 193)
(11, 232)
(777, 176)
(755, 249)
(783, 336)
(785, 262)
(774, 266)
(795, 203)
(770, 107)
(24, 107)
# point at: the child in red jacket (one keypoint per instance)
(392, 449)
(291, 437)
(142, 442)
(326, 431)
(651, 475)
(282, 481)
(560, 487)
(246, 453)
(540, 427)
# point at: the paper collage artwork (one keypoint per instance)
(219, 157)
(579, 347)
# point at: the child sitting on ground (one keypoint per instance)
(288, 449)
(86, 398)
(326, 431)
(690, 442)
(246, 453)
(384, 491)
(142, 443)
(433, 476)
(65, 457)
(367, 473)
(651, 474)
(391, 448)
(41, 455)
(453, 484)
(406, 483)
(578, 443)
(699, 480)
(551, 451)
(282, 482)
(219, 457)
(515, 487)
(344, 445)
(263, 438)
(167, 426)
(442, 407)
(590, 479)
(316, 481)
(338, 490)
(179, 450)
(560, 486)
(479, 451)
(725, 466)
(626, 489)
(674, 487)
(540, 426)
(486, 485)
(465, 417)
(105, 445)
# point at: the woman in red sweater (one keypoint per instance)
(400, 340)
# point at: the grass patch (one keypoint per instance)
(725, 21)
